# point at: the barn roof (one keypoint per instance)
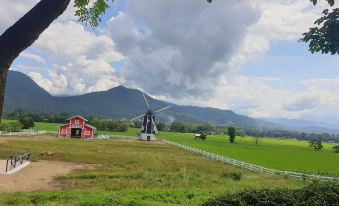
(90, 126)
(63, 125)
(78, 117)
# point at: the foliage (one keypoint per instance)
(316, 144)
(27, 122)
(316, 194)
(336, 148)
(324, 37)
(109, 125)
(90, 12)
(41, 117)
(231, 134)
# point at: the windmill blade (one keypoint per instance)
(163, 109)
(131, 120)
(145, 100)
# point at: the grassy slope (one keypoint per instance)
(287, 154)
(133, 173)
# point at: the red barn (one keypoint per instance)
(76, 128)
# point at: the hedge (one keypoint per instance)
(315, 194)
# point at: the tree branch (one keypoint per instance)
(27, 29)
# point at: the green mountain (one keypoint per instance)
(116, 103)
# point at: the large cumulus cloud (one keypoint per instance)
(178, 48)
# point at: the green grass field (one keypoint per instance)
(285, 154)
(128, 172)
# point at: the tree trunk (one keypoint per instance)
(3, 75)
(24, 33)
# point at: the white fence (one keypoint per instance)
(26, 133)
(251, 167)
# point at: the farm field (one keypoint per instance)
(283, 154)
(128, 172)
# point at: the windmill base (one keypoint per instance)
(147, 137)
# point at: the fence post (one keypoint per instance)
(6, 165)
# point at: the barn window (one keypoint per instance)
(76, 121)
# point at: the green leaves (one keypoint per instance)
(324, 37)
(330, 2)
(89, 13)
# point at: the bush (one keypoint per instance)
(27, 122)
(232, 175)
(316, 144)
(336, 149)
(316, 194)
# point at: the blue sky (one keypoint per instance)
(291, 62)
(238, 55)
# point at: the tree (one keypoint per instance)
(336, 148)
(316, 144)
(231, 134)
(27, 122)
(324, 37)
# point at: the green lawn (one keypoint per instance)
(287, 154)
(130, 172)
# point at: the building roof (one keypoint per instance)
(90, 126)
(78, 116)
(63, 125)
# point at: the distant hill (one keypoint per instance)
(305, 125)
(116, 103)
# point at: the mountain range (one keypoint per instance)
(125, 103)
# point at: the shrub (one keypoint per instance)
(316, 194)
(232, 175)
(316, 144)
(336, 148)
(27, 122)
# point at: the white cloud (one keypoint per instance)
(34, 57)
(80, 59)
(11, 11)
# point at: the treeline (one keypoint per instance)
(108, 125)
(41, 117)
(325, 137)
(62, 118)
(223, 130)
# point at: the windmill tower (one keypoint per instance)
(148, 129)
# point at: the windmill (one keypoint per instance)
(148, 129)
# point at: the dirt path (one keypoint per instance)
(37, 176)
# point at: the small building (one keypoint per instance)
(77, 128)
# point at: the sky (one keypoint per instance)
(239, 55)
